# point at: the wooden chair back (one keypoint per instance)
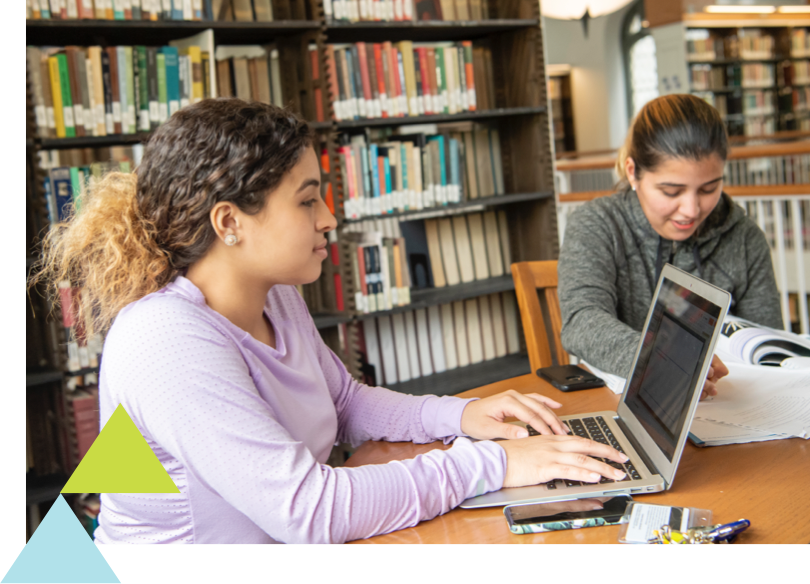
(530, 277)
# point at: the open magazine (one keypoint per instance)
(743, 341)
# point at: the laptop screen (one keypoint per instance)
(670, 360)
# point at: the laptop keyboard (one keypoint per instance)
(598, 430)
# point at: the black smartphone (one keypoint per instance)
(568, 514)
(569, 377)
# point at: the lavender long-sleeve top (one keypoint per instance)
(244, 431)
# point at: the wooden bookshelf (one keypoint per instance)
(515, 37)
(725, 48)
(464, 378)
(470, 205)
(521, 117)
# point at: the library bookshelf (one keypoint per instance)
(517, 110)
(754, 70)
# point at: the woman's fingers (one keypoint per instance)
(543, 400)
(575, 444)
(530, 416)
(538, 416)
(719, 369)
(580, 467)
(540, 459)
(709, 389)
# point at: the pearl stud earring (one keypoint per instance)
(231, 239)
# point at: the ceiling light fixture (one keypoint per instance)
(794, 9)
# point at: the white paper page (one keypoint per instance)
(716, 433)
(796, 363)
(762, 398)
(614, 382)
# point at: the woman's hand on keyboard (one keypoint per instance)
(484, 418)
(539, 459)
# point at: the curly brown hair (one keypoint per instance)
(135, 232)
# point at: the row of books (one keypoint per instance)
(799, 42)
(757, 75)
(801, 99)
(421, 342)
(466, 248)
(706, 77)
(759, 102)
(116, 9)
(68, 172)
(380, 80)
(97, 91)
(746, 44)
(80, 423)
(249, 72)
(407, 10)
(756, 44)
(380, 271)
(759, 126)
(390, 259)
(712, 77)
(407, 172)
(797, 73)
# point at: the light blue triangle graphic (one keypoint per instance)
(60, 551)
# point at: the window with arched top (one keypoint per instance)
(640, 66)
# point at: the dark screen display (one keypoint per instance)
(675, 345)
(568, 510)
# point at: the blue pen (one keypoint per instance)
(729, 531)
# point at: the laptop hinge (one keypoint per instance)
(639, 450)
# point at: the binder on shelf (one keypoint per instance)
(449, 258)
(487, 330)
(414, 362)
(463, 249)
(494, 254)
(511, 320)
(387, 349)
(449, 337)
(462, 346)
(423, 342)
(498, 325)
(474, 341)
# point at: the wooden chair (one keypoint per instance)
(530, 277)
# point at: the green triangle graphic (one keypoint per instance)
(120, 461)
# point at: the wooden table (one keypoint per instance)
(765, 482)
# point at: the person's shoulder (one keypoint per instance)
(166, 316)
(286, 303)
(601, 216)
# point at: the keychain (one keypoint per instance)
(708, 534)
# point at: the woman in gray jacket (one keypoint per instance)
(670, 208)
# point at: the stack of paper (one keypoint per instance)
(755, 403)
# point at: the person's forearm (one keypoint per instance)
(386, 498)
(376, 413)
(602, 340)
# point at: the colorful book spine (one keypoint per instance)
(64, 90)
(163, 100)
(172, 78)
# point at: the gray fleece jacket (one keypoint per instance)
(611, 259)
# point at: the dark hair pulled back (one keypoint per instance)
(672, 126)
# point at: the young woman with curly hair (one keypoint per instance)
(193, 260)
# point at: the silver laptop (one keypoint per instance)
(651, 423)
